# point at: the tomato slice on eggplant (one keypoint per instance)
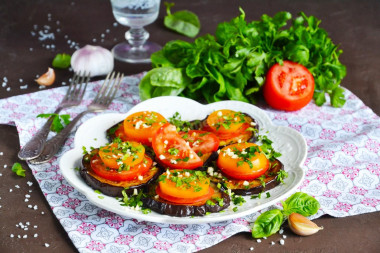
(173, 151)
(201, 141)
(288, 86)
(230, 126)
(184, 187)
(242, 161)
(141, 126)
(122, 174)
(129, 153)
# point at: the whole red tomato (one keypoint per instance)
(289, 86)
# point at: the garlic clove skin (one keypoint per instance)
(95, 60)
(301, 225)
(47, 79)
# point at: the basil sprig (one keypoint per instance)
(269, 222)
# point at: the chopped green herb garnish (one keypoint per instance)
(17, 168)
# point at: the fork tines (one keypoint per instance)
(76, 85)
(109, 88)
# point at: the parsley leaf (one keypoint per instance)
(17, 168)
(59, 121)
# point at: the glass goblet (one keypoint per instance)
(135, 14)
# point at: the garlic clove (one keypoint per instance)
(95, 60)
(301, 225)
(47, 79)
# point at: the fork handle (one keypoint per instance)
(34, 146)
(53, 145)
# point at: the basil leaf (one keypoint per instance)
(61, 61)
(165, 81)
(267, 223)
(17, 168)
(184, 22)
(300, 203)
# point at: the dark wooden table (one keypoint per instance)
(355, 25)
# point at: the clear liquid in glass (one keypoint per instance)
(135, 13)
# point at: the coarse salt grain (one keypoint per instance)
(258, 240)
(272, 243)
(17, 186)
(11, 235)
(251, 248)
(26, 200)
(281, 231)
(10, 190)
(35, 235)
(42, 212)
(35, 207)
(47, 245)
(282, 242)
(284, 236)
(30, 206)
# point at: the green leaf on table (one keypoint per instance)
(59, 121)
(17, 168)
(268, 223)
(300, 203)
(184, 22)
(61, 61)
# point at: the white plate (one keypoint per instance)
(285, 140)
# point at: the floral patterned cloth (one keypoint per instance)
(342, 172)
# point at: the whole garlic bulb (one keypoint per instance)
(95, 60)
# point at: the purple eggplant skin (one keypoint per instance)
(113, 190)
(255, 185)
(159, 205)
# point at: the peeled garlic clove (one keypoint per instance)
(47, 79)
(301, 225)
(95, 60)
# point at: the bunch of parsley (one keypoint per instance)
(232, 64)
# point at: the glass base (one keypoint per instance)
(125, 52)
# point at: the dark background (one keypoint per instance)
(354, 25)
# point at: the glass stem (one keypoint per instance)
(137, 37)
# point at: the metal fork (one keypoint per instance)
(100, 103)
(73, 97)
